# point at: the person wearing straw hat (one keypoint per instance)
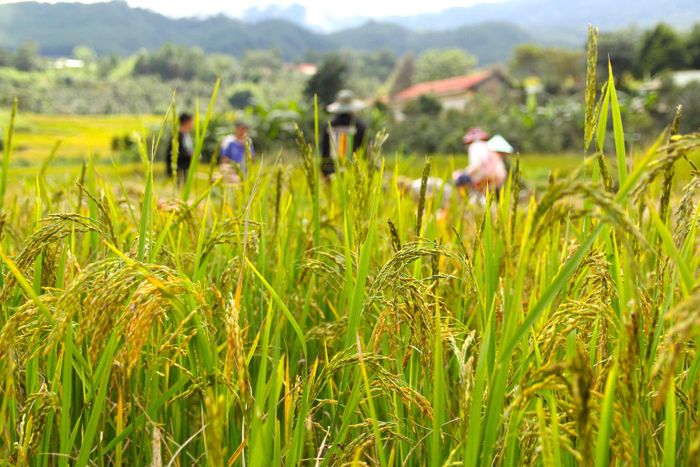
(345, 133)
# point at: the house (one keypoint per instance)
(456, 93)
(685, 77)
(68, 63)
(306, 69)
(679, 79)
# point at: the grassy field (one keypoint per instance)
(36, 136)
(291, 321)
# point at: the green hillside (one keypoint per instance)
(114, 27)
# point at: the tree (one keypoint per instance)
(377, 64)
(107, 65)
(425, 105)
(693, 47)
(622, 47)
(554, 67)
(223, 66)
(241, 99)
(403, 75)
(84, 53)
(688, 97)
(243, 95)
(172, 62)
(367, 70)
(330, 78)
(27, 57)
(438, 64)
(6, 58)
(662, 49)
(258, 64)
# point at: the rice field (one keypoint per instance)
(36, 138)
(291, 321)
(36, 135)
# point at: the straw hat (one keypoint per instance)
(475, 134)
(345, 102)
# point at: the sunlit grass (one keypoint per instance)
(36, 134)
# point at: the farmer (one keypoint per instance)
(185, 149)
(486, 169)
(234, 151)
(345, 133)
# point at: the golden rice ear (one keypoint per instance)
(421, 198)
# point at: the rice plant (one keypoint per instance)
(290, 321)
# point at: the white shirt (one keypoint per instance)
(478, 153)
(485, 165)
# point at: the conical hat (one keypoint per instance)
(499, 144)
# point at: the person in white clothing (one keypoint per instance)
(486, 168)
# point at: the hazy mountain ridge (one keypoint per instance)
(117, 28)
(561, 15)
(489, 31)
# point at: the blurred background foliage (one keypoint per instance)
(543, 115)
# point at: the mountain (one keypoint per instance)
(114, 27)
(560, 15)
(490, 42)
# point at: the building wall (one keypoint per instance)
(457, 101)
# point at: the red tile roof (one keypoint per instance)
(445, 86)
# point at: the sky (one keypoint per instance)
(317, 10)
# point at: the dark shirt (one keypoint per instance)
(358, 130)
(184, 153)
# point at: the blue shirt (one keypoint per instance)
(234, 151)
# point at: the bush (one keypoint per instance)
(443, 133)
(424, 105)
(551, 126)
(689, 98)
